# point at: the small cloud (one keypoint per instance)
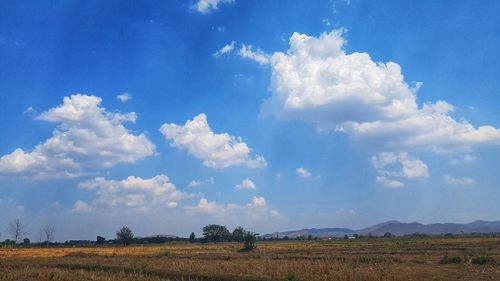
(246, 184)
(303, 172)
(19, 208)
(208, 6)
(124, 97)
(468, 158)
(458, 181)
(228, 48)
(56, 204)
(204, 207)
(198, 183)
(389, 182)
(392, 167)
(29, 110)
(81, 207)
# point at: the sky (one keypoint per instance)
(166, 116)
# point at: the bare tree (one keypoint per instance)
(17, 230)
(40, 236)
(48, 234)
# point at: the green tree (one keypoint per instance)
(216, 233)
(192, 237)
(100, 240)
(387, 235)
(26, 242)
(124, 236)
(238, 234)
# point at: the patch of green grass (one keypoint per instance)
(291, 276)
(164, 254)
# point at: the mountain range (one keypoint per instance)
(395, 228)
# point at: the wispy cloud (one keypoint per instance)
(458, 181)
(228, 48)
(199, 183)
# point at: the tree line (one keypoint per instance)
(212, 233)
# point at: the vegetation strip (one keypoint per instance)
(170, 275)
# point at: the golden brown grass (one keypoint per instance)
(371, 260)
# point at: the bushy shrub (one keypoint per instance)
(482, 259)
(249, 240)
(453, 259)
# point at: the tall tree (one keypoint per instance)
(216, 233)
(17, 230)
(192, 237)
(124, 236)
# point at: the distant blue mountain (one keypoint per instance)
(395, 228)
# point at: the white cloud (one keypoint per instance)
(388, 182)
(318, 82)
(224, 50)
(389, 165)
(198, 183)
(124, 97)
(205, 207)
(208, 6)
(215, 150)
(87, 138)
(259, 56)
(81, 207)
(457, 181)
(257, 209)
(246, 184)
(134, 193)
(303, 172)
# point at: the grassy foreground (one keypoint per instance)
(373, 259)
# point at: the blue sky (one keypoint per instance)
(274, 115)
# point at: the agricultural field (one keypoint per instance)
(369, 259)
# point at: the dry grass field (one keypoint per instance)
(371, 259)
